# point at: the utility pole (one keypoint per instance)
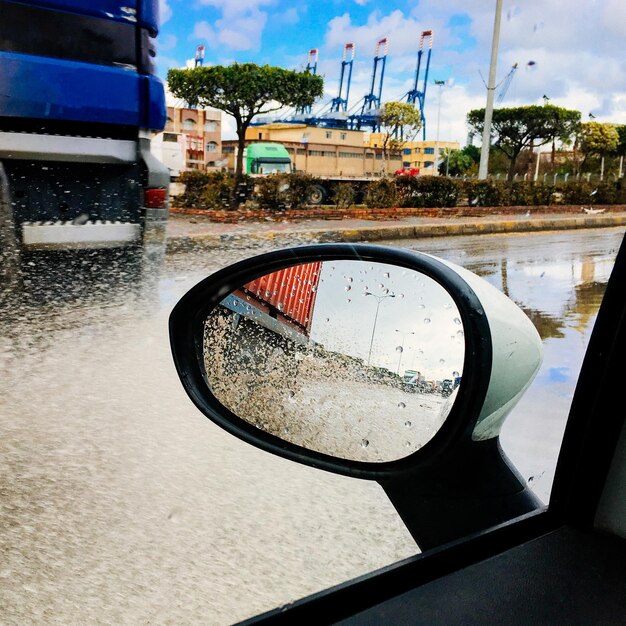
(440, 84)
(401, 350)
(379, 299)
(491, 89)
(536, 176)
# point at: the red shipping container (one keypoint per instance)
(289, 294)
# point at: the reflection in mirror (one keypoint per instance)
(354, 359)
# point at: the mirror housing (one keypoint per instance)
(503, 352)
(462, 464)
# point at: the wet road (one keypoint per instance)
(121, 504)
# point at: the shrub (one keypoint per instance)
(382, 194)
(299, 187)
(428, 191)
(194, 181)
(528, 193)
(270, 192)
(486, 193)
(209, 190)
(278, 192)
(216, 194)
(344, 195)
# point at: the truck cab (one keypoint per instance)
(79, 100)
(267, 158)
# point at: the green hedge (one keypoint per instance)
(427, 191)
(292, 191)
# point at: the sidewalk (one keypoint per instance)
(185, 232)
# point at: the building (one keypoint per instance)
(421, 154)
(200, 131)
(323, 152)
(418, 155)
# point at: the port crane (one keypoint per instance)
(506, 82)
(369, 115)
(415, 96)
(365, 114)
(311, 67)
(199, 60)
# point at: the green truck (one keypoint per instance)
(267, 158)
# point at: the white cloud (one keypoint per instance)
(165, 11)
(167, 42)
(288, 17)
(574, 50)
(240, 26)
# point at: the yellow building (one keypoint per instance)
(323, 152)
(418, 154)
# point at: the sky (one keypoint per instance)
(418, 328)
(570, 52)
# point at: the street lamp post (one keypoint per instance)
(404, 334)
(379, 299)
(491, 89)
(440, 84)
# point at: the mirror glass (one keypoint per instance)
(354, 359)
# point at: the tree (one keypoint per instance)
(597, 139)
(459, 162)
(245, 90)
(620, 151)
(517, 128)
(399, 122)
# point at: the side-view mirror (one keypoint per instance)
(372, 362)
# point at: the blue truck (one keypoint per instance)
(79, 101)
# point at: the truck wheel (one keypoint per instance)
(317, 195)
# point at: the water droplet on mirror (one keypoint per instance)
(280, 306)
(398, 348)
(456, 320)
(427, 320)
(401, 405)
(386, 274)
(442, 361)
(348, 300)
(460, 333)
(347, 287)
(408, 444)
(421, 306)
(364, 443)
(327, 319)
(314, 288)
(349, 279)
(408, 424)
(286, 430)
(290, 394)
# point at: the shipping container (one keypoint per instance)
(287, 295)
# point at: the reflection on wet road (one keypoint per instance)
(120, 503)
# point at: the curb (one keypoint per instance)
(376, 233)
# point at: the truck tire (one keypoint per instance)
(317, 195)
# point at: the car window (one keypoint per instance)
(120, 502)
